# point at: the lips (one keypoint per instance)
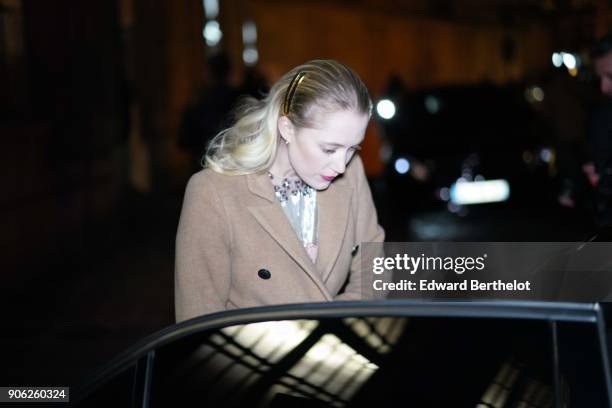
(328, 178)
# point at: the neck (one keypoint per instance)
(281, 167)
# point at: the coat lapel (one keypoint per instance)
(272, 219)
(333, 220)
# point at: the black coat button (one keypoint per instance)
(264, 274)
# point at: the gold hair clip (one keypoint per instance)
(291, 91)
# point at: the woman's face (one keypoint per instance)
(318, 155)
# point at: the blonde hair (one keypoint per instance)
(250, 144)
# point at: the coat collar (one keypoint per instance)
(259, 184)
(333, 210)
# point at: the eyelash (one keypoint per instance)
(331, 151)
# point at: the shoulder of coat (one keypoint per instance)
(218, 181)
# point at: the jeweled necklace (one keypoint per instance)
(289, 187)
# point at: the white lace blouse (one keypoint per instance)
(299, 202)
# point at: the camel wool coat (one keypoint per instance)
(235, 246)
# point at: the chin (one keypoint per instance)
(321, 185)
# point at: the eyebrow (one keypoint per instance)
(357, 146)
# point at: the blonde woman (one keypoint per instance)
(282, 205)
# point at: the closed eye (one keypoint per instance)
(332, 151)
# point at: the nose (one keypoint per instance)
(339, 164)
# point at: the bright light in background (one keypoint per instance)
(444, 194)
(569, 60)
(212, 33)
(432, 104)
(402, 165)
(537, 93)
(546, 155)
(211, 9)
(534, 94)
(479, 192)
(250, 56)
(385, 109)
(249, 32)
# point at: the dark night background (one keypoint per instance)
(94, 94)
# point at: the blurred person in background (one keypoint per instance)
(207, 113)
(253, 83)
(565, 117)
(599, 169)
(279, 212)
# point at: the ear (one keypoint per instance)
(286, 129)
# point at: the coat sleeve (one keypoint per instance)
(368, 230)
(202, 267)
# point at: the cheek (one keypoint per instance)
(312, 158)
